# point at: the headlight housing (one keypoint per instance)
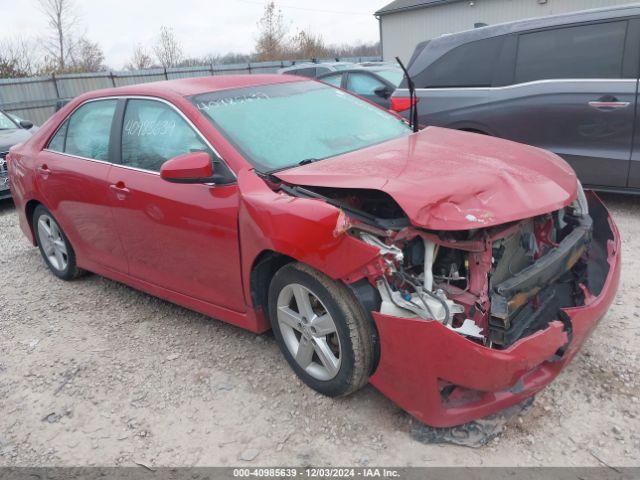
(580, 205)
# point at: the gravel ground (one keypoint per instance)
(95, 373)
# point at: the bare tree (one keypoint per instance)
(18, 58)
(356, 50)
(87, 56)
(272, 33)
(62, 19)
(306, 44)
(168, 50)
(140, 59)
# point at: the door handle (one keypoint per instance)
(120, 190)
(43, 171)
(608, 102)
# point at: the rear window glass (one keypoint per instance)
(469, 65)
(303, 72)
(587, 51)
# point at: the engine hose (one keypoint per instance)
(390, 293)
(447, 312)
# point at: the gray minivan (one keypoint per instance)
(566, 83)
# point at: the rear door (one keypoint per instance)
(182, 237)
(72, 176)
(574, 93)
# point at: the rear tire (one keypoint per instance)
(54, 246)
(321, 329)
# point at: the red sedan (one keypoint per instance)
(457, 273)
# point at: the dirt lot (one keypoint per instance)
(95, 373)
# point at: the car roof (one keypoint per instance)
(427, 51)
(361, 68)
(551, 21)
(193, 86)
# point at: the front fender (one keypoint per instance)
(304, 229)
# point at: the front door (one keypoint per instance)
(180, 237)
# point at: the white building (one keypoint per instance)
(405, 23)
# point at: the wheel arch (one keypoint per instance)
(264, 267)
(29, 209)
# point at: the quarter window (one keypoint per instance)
(57, 142)
(587, 51)
(87, 133)
(153, 133)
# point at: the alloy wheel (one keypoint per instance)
(53, 243)
(309, 332)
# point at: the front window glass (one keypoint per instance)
(5, 122)
(363, 83)
(278, 126)
(153, 133)
(89, 130)
(469, 65)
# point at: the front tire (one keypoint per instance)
(54, 245)
(321, 329)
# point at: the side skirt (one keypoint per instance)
(251, 320)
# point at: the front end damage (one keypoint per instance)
(470, 322)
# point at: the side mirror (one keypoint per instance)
(26, 124)
(383, 92)
(195, 167)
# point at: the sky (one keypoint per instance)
(202, 26)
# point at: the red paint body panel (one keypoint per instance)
(188, 166)
(77, 192)
(179, 236)
(196, 245)
(300, 228)
(438, 184)
(416, 354)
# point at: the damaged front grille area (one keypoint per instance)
(493, 285)
(527, 300)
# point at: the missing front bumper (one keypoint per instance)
(417, 357)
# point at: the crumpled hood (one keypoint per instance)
(11, 137)
(450, 180)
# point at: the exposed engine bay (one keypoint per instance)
(493, 285)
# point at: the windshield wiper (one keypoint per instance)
(413, 110)
(307, 161)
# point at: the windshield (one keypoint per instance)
(393, 76)
(280, 125)
(5, 122)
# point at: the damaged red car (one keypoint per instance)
(456, 272)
